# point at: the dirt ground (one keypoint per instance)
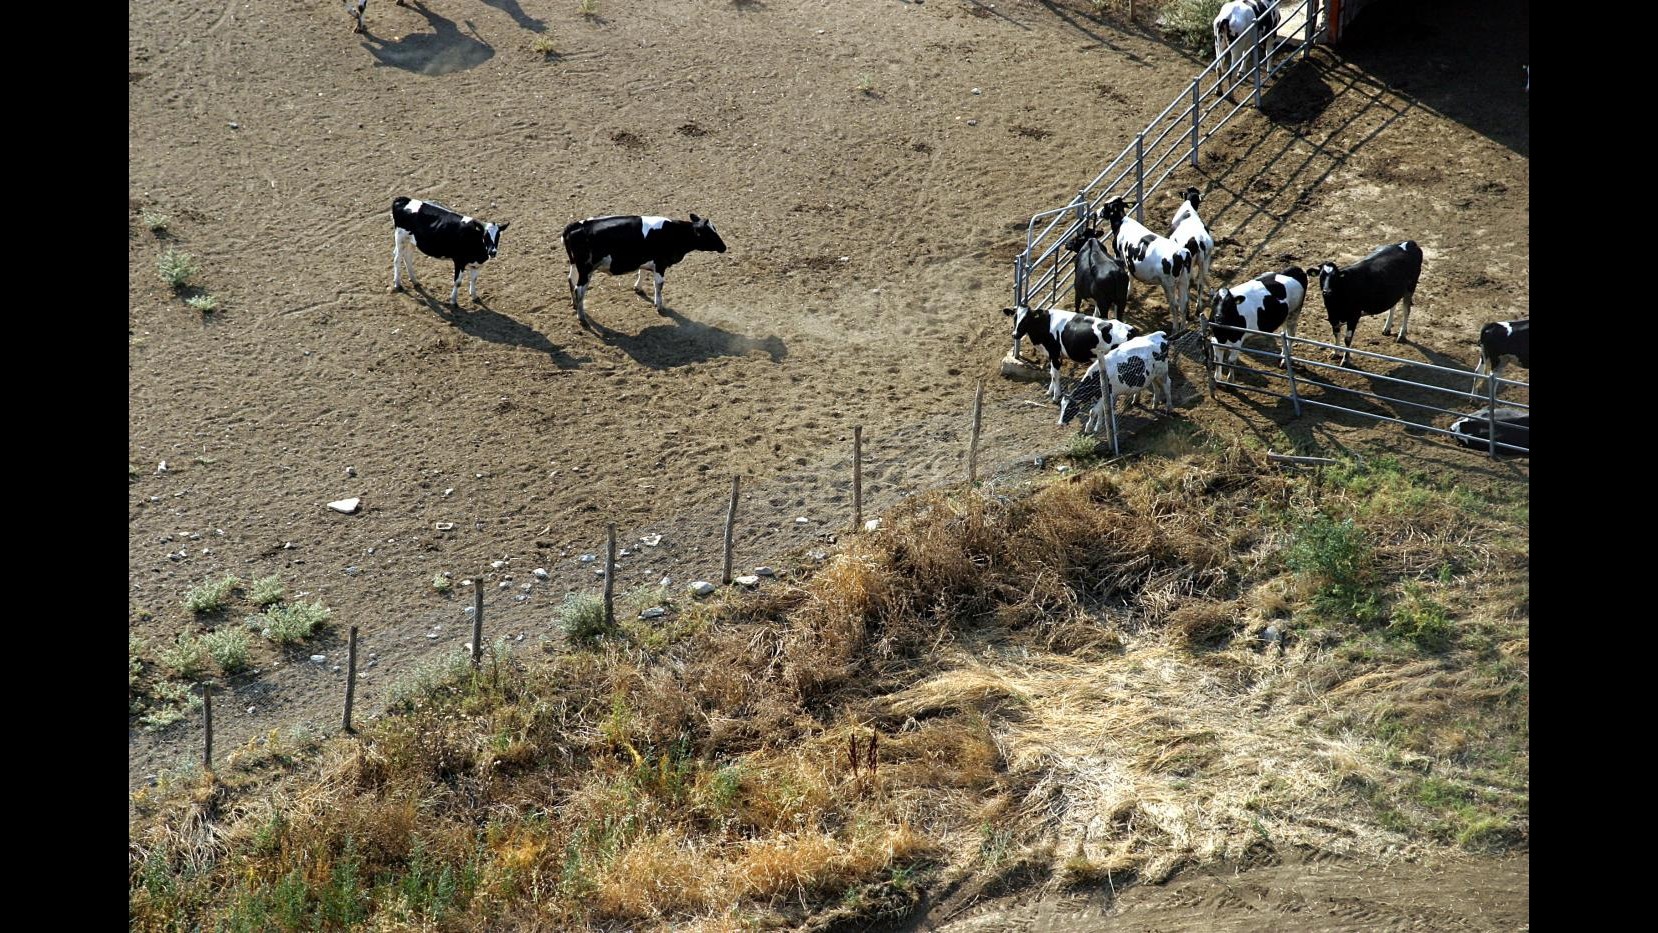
(871, 166)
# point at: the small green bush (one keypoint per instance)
(441, 583)
(229, 647)
(582, 618)
(205, 304)
(1191, 23)
(1422, 621)
(293, 622)
(211, 596)
(186, 657)
(155, 221)
(176, 268)
(1338, 556)
(267, 590)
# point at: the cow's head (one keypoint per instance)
(1115, 211)
(1191, 196)
(492, 237)
(1026, 323)
(1328, 274)
(1217, 306)
(706, 238)
(1075, 243)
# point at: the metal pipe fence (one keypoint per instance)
(1285, 356)
(1043, 269)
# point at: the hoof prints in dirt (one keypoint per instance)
(627, 140)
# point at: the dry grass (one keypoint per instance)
(1066, 681)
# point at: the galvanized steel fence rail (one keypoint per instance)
(1297, 383)
(1042, 269)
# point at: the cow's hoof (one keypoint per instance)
(393, 289)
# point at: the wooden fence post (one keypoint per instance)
(610, 576)
(857, 477)
(207, 720)
(350, 676)
(477, 620)
(730, 527)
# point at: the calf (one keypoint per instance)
(1152, 259)
(1513, 428)
(1098, 276)
(631, 243)
(441, 233)
(1189, 231)
(1067, 335)
(1501, 343)
(1139, 364)
(356, 8)
(1268, 303)
(1257, 18)
(1370, 286)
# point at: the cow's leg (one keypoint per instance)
(1404, 320)
(472, 283)
(1053, 380)
(455, 292)
(578, 290)
(638, 279)
(657, 297)
(397, 259)
(1346, 354)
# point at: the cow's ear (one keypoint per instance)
(502, 226)
(695, 219)
(1008, 312)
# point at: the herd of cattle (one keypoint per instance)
(1120, 359)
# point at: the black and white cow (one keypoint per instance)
(1501, 343)
(1153, 259)
(1189, 231)
(1270, 303)
(441, 233)
(1372, 285)
(1067, 335)
(631, 243)
(356, 8)
(1513, 428)
(1139, 364)
(1098, 275)
(1255, 18)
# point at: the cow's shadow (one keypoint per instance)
(443, 51)
(512, 9)
(665, 346)
(480, 321)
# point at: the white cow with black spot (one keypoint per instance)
(1138, 365)
(1152, 259)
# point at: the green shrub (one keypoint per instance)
(582, 618)
(266, 591)
(1338, 556)
(1422, 621)
(155, 221)
(176, 268)
(1191, 23)
(206, 304)
(229, 647)
(211, 596)
(293, 622)
(186, 657)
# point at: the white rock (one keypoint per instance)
(972, 123)
(497, 564)
(161, 468)
(667, 581)
(765, 572)
(817, 555)
(449, 490)
(624, 552)
(346, 506)
(589, 558)
(654, 612)
(1271, 633)
(651, 540)
(975, 90)
(802, 520)
(526, 587)
(873, 524)
(319, 658)
(431, 634)
(351, 471)
(505, 584)
(749, 580)
(335, 668)
(540, 573)
(444, 526)
(702, 588)
(250, 711)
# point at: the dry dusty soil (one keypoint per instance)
(871, 165)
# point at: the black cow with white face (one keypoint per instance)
(441, 233)
(1372, 285)
(1501, 343)
(631, 243)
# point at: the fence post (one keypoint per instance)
(1197, 118)
(1289, 368)
(477, 618)
(207, 721)
(1140, 177)
(1208, 354)
(730, 526)
(857, 477)
(350, 676)
(1311, 8)
(973, 438)
(610, 575)
(1111, 412)
(1491, 411)
(1258, 56)
(1018, 280)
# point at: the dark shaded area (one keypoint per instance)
(482, 322)
(512, 9)
(665, 346)
(1458, 58)
(445, 50)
